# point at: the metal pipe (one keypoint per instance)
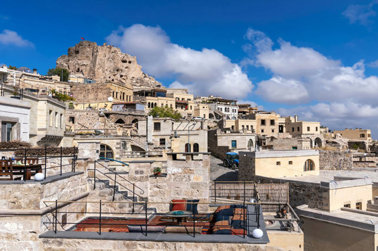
(99, 222)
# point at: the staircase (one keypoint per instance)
(105, 185)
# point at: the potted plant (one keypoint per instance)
(157, 171)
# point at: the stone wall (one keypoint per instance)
(66, 244)
(282, 144)
(335, 160)
(217, 151)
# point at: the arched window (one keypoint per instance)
(135, 123)
(149, 105)
(195, 147)
(187, 148)
(309, 165)
(120, 121)
(106, 151)
(318, 142)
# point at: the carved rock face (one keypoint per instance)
(105, 64)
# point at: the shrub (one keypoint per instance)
(165, 112)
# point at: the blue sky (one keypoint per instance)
(317, 59)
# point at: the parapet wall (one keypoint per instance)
(335, 160)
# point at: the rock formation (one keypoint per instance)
(105, 64)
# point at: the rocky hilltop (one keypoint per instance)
(105, 63)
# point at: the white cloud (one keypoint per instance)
(278, 89)
(204, 72)
(343, 95)
(8, 37)
(373, 64)
(362, 14)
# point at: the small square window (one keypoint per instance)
(359, 205)
(272, 122)
(263, 122)
(273, 130)
(278, 163)
(298, 128)
(347, 205)
(262, 130)
(308, 128)
(292, 129)
(162, 141)
(157, 126)
(290, 162)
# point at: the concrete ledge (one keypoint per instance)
(317, 214)
(346, 183)
(42, 182)
(293, 153)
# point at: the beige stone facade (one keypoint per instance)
(100, 95)
(267, 123)
(355, 134)
(278, 164)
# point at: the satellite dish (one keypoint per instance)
(110, 99)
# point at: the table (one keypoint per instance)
(179, 217)
(26, 170)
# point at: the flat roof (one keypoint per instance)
(330, 175)
(275, 154)
(354, 218)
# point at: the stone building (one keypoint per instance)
(227, 107)
(221, 142)
(266, 123)
(355, 134)
(100, 96)
(278, 164)
(47, 118)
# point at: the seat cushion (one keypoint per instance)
(178, 205)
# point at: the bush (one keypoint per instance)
(165, 112)
(61, 96)
(59, 71)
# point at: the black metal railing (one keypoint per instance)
(250, 215)
(135, 195)
(42, 156)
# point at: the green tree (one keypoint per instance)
(165, 112)
(58, 71)
(12, 67)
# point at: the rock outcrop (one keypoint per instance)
(104, 64)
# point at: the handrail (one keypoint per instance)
(124, 163)
(116, 183)
(115, 180)
(142, 191)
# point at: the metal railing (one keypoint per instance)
(41, 156)
(135, 195)
(249, 215)
(247, 190)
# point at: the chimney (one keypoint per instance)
(295, 118)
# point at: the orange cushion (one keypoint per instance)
(178, 205)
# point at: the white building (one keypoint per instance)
(14, 119)
(229, 109)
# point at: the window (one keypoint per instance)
(157, 126)
(272, 122)
(280, 128)
(309, 165)
(61, 121)
(233, 144)
(369, 135)
(347, 205)
(106, 152)
(362, 135)
(56, 119)
(162, 141)
(278, 163)
(308, 128)
(187, 148)
(316, 128)
(232, 128)
(263, 122)
(292, 129)
(6, 131)
(227, 109)
(247, 127)
(294, 148)
(242, 127)
(51, 118)
(71, 120)
(195, 148)
(298, 128)
(262, 130)
(272, 130)
(290, 162)
(123, 145)
(359, 205)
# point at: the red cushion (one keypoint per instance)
(178, 205)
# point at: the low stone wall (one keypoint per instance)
(335, 160)
(70, 244)
(301, 193)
